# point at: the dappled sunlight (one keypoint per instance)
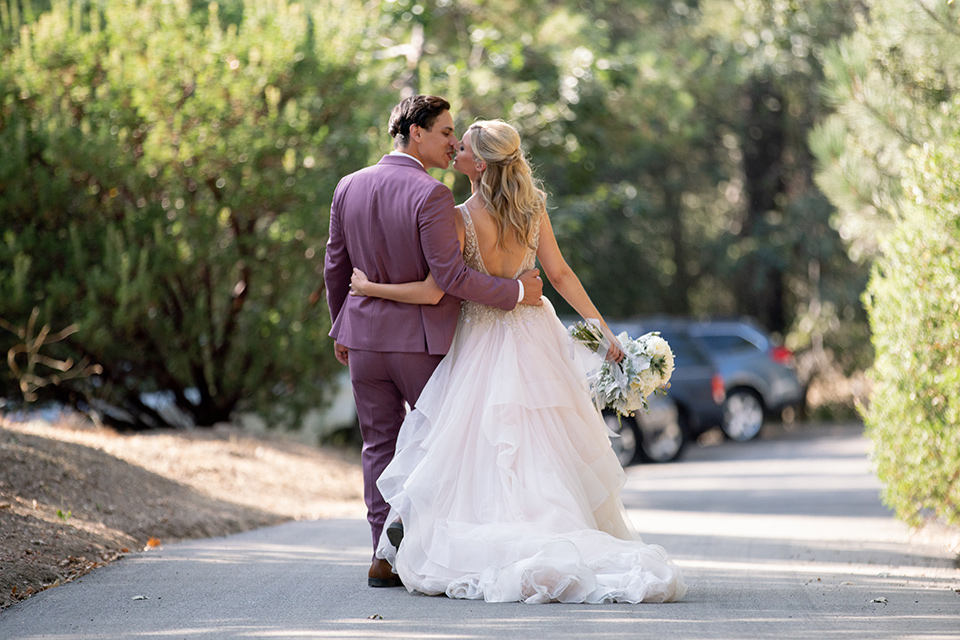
(789, 519)
(612, 623)
(854, 463)
(771, 527)
(352, 633)
(272, 554)
(351, 630)
(891, 576)
(754, 480)
(769, 481)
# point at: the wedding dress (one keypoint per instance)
(504, 477)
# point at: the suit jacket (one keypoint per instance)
(395, 222)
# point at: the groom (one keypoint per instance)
(396, 223)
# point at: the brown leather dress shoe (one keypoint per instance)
(381, 575)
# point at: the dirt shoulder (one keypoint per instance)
(74, 497)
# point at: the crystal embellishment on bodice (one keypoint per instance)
(474, 312)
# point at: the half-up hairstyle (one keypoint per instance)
(507, 187)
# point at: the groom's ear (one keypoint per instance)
(415, 132)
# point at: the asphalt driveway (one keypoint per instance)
(784, 538)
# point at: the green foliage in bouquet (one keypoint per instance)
(165, 177)
(587, 334)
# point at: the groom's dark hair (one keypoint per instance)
(422, 111)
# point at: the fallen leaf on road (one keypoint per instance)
(879, 600)
(139, 598)
(152, 543)
(375, 616)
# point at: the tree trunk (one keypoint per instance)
(764, 140)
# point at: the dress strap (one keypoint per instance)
(471, 247)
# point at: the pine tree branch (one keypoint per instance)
(883, 121)
(947, 26)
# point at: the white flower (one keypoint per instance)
(645, 369)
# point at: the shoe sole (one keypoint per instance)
(395, 536)
(384, 582)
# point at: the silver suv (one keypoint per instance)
(758, 374)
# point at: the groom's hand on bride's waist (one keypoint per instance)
(532, 287)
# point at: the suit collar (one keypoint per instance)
(405, 161)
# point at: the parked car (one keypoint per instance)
(759, 375)
(696, 386)
(654, 435)
(696, 394)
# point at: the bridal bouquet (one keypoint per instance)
(624, 386)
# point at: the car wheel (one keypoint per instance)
(742, 415)
(662, 443)
(626, 445)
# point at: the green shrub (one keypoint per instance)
(889, 160)
(164, 185)
(914, 304)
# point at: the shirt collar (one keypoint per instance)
(401, 153)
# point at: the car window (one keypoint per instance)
(684, 350)
(727, 343)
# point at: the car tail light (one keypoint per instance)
(781, 355)
(716, 386)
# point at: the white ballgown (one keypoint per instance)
(504, 477)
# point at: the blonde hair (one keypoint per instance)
(507, 187)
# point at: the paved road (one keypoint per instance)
(780, 538)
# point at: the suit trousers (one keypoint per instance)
(382, 383)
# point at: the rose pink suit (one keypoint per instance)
(396, 223)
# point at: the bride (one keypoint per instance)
(504, 479)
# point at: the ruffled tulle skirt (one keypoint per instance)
(505, 480)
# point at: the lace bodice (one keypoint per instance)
(472, 312)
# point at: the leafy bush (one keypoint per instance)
(914, 304)
(164, 183)
(890, 161)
